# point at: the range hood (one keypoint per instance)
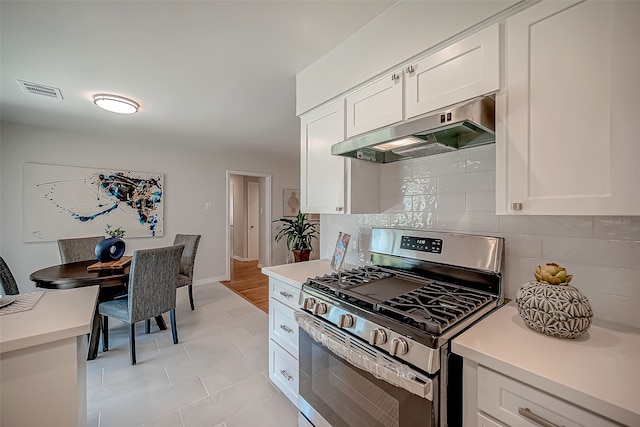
(461, 126)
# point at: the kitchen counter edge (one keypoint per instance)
(598, 370)
(297, 273)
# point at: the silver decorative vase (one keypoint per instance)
(559, 311)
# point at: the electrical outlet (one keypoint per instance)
(207, 206)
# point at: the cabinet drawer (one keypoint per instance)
(283, 371)
(284, 328)
(284, 293)
(516, 404)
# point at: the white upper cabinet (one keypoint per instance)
(464, 70)
(321, 174)
(329, 183)
(375, 105)
(567, 139)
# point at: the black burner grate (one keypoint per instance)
(334, 282)
(434, 307)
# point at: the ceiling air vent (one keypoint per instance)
(38, 89)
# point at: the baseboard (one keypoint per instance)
(237, 258)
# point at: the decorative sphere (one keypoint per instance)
(560, 311)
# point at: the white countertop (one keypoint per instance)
(599, 370)
(58, 315)
(297, 273)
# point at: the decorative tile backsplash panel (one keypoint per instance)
(456, 192)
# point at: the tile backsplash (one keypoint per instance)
(456, 192)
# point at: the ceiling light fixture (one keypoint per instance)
(116, 104)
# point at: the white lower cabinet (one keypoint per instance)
(504, 401)
(283, 338)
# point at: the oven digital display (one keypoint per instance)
(421, 244)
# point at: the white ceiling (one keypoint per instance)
(206, 73)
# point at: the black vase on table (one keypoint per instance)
(110, 249)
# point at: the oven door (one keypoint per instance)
(346, 382)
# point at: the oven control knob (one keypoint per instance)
(346, 321)
(377, 337)
(320, 308)
(398, 347)
(308, 303)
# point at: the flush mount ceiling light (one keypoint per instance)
(116, 104)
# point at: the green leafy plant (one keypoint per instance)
(114, 232)
(299, 232)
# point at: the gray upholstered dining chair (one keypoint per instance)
(9, 284)
(78, 249)
(151, 292)
(185, 278)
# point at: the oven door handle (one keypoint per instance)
(380, 366)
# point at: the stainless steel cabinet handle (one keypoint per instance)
(395, 76)
(410, 69)
(286, 329)
(515, 206)
(286, 375)
(526, 412)
(286, 294)
(339, 209)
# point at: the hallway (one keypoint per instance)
(248, 281)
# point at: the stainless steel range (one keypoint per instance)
(374, 340)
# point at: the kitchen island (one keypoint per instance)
(43, 360)
(512, 373)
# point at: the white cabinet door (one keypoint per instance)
(462, 71)
(568, 142)
(333, 184)
(283, 371)
(375, 105)
(321, 174)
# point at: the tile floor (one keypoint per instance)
(216, 376)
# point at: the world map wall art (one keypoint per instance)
(65, 201)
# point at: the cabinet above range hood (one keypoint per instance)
(461, 126)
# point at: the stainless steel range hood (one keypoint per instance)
(461, 126)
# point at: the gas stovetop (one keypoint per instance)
(420, 290)
(428, 305)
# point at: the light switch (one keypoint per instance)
(207, 206)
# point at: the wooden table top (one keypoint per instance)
(75, 275)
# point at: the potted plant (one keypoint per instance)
(551, 306)
(299, 232)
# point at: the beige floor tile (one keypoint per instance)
(228, 402)
(215, 377)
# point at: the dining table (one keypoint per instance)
(112, 283)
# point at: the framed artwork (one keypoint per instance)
(290, 202)
(66, 201)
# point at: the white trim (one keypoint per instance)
(264, 234)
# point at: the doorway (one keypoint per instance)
(248, 218)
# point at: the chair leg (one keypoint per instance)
(105, 333)
(174, 330)
(147, 326)
(132, 342)
(191, 297)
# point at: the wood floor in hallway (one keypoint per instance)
(248, 281)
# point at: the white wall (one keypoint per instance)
(456, 192)
(192, 177)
